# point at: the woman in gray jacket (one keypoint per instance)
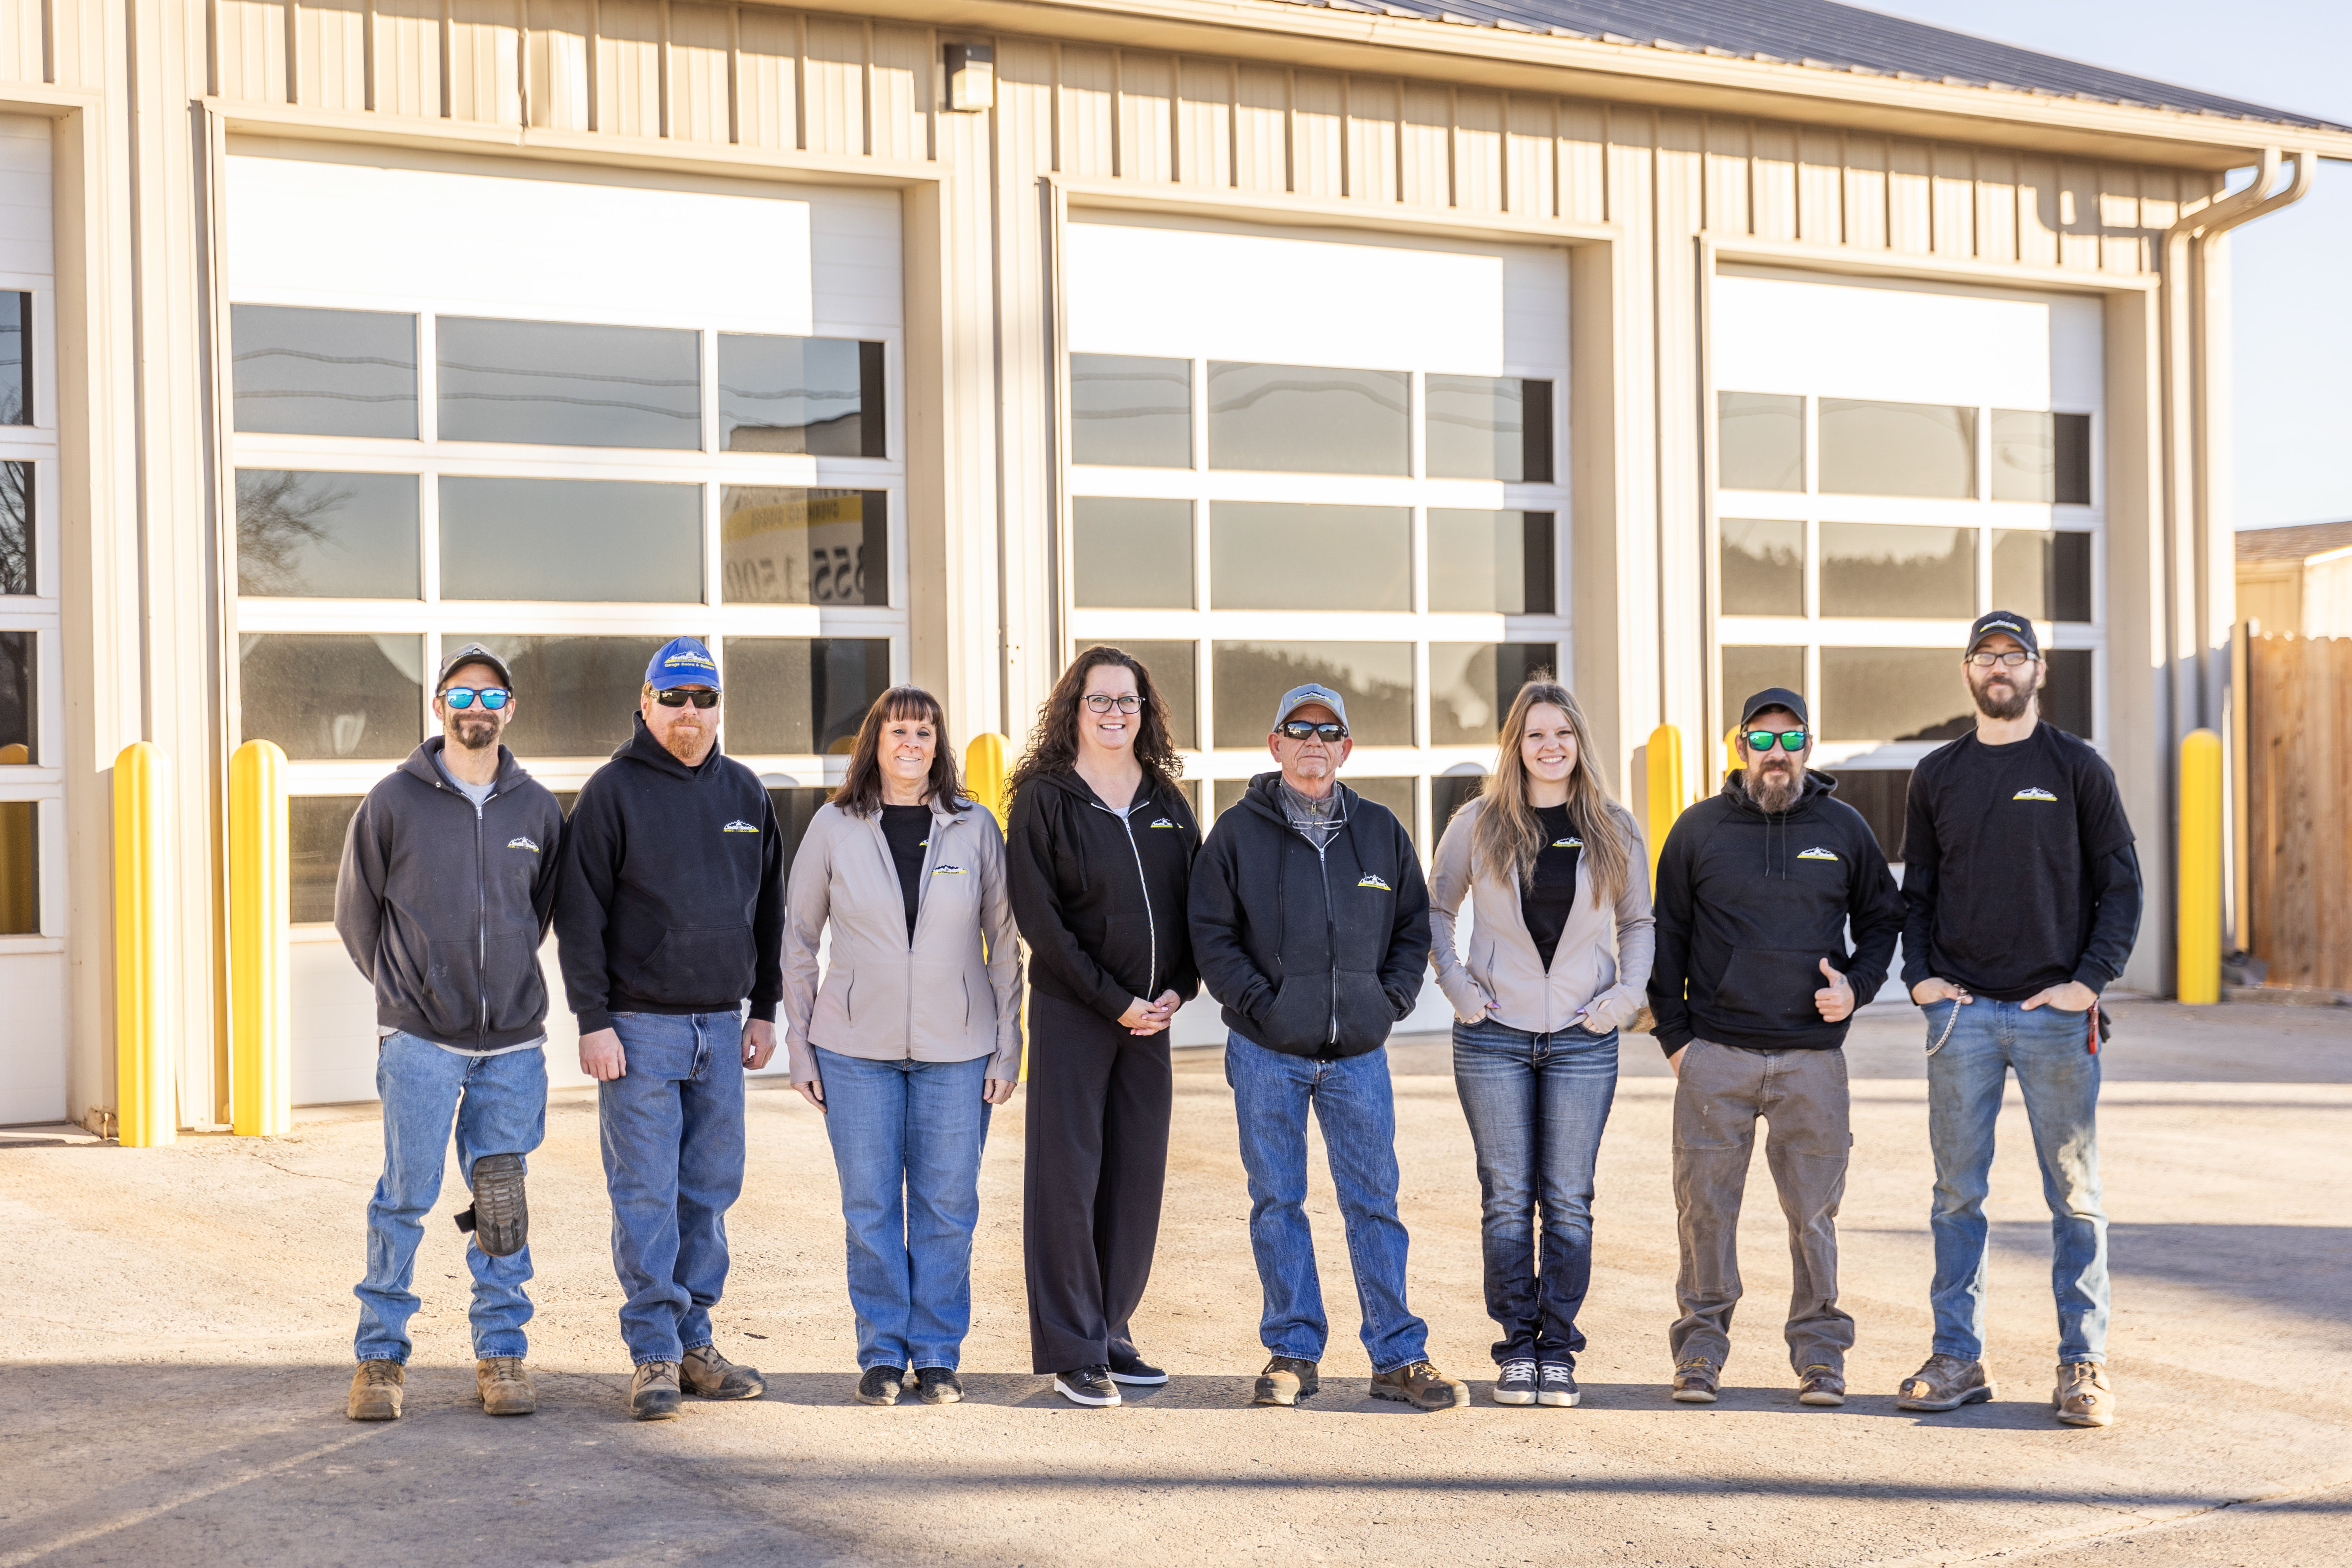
(1559, 956)
(912, 1035)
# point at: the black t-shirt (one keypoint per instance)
(1550, 894)
(2000, 852)
(908, 829)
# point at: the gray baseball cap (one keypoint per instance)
(472, 653)
(1298, 697)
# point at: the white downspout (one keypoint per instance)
(2194, 574)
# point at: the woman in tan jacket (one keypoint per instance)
(1559, 956)
(912, 1035)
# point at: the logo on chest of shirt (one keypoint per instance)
(2031, 793)
(522, 843)
(1372, 879)
(1163, 822)
(1817, 853)
(739, 825)
(947, 871)
(1568, 843)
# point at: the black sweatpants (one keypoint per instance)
(1098, 1158)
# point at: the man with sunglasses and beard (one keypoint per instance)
(1752, 989)
(2024, 899)
(448, 877)
(1310, 923)
(669, 916)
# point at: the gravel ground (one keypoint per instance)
(177, 1326)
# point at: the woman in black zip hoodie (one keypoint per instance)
(1099, 859)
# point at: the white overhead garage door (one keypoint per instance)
(570, 413)
(1304, 455)
(1297, 455)
(1896, 458)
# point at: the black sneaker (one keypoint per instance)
(1087, 1385)
(937, 1385)
(498, 1218)
(1516, 1384)
(1557, 1384)
(1126, 1366)
(880, 1384)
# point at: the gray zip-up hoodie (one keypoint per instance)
(442, 904)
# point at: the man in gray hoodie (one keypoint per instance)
(448, 881)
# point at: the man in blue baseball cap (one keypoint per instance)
(669, 916)
(1310, 923)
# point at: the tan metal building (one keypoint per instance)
(2297, 579)
(1678, 347)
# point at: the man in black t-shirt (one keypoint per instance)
(2024, 898)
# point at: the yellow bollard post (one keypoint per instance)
(144, 1114)
(984, 771)
(1665, 787)
(260, 1073)
(2199, 956)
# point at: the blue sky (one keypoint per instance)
(2291, 302)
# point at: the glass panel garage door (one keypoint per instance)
(1295, 457)
(1892, 461)
(568, 421)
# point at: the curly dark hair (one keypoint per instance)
(1053, 743)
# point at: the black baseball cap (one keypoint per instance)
(2008, 621)
(1775, 697)
(472, 653)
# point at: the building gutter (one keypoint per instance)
(2200, 560)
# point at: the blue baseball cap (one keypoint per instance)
(682, 661)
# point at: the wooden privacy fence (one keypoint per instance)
(2299, 808)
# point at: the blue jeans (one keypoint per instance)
(672, 1128)
(500, 1105)
(1536, 1105)
(1350, 1098)
(907, 1138)
(2059, 1077)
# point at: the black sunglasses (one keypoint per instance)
(1300, 729)
(463, 697)
(678, 697)
(1761, 740)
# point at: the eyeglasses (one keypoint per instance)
(1300, 730)
(678, 697)
(1762, 739)
(462, 697)
(1103, 702)
(2006, 661)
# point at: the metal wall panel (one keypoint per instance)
(253, 50)
(1318, 140)
(331, 55)
(701, 42)
(1531, 155)
(1373, 137)
(558, 53)
(1204, 122)
(408, 50)
(485, 62)
(1477, 151)
(1086, 139)
(1147, 117)
(903, 91)
(767, 78)
(834, 74)
(1262, 129)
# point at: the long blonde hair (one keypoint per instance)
(1508, 833)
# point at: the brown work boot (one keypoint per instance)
(1697, 1380)
(2083, 1397)
(653, 1391)
(377, 1388)
(709, 1375)
(1820, 1385)
(503, 1385)
(1421, 1385)
(1286, 1380)
(1944, 1383)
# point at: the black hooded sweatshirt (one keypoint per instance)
(1312, 953)
(442, 903)
(672, 896)
(1100, 897)
(1748, 905)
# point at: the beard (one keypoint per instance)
(1775, 789)
(475, 734)
(2004, 695)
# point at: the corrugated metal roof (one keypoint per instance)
(1828, 37)
(2298, 542)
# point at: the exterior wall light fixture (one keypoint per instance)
(971, 77)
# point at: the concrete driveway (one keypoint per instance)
(177, 1323)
